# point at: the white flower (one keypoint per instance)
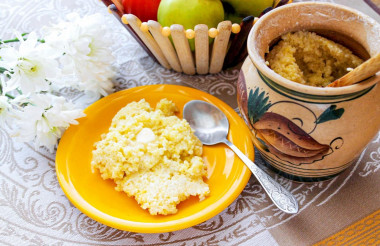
(45, 118)
(96, 88)
(5, 105)
(76, 54)
(87, 55)
(31, 68)
(5, 108)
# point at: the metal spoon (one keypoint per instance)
(211, 126)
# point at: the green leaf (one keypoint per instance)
(331, 113)
(257, 105)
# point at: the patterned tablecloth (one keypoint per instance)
(35, 211)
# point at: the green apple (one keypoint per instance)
(233, 17)
(238, 9)
(190, 13)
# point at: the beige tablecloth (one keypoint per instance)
(35, 211)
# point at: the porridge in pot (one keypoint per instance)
(307, 58)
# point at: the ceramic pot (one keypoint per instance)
(309, 133)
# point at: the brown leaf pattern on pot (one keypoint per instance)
(282, 137)
(286, 139)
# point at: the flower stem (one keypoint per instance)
(13, 40)
(9, 96)
(10, 41)
(6, 94)
(17, 40)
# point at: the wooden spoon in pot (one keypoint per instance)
(364, 71)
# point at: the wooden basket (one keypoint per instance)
(228, 48)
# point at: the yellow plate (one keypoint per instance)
(97, 198)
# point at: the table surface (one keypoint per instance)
(35, 211)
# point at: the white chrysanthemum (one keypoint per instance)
(45, 118)
(87, 56)
(5, 108)
(31, 68)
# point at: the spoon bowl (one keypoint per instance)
(211, 126)
(209, 123)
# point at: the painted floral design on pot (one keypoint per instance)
(309, 133)
(283, 137)
(307, 141)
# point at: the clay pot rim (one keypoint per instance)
(259, 62)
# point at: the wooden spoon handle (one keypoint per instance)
(365, 70)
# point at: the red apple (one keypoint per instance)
(144, 9)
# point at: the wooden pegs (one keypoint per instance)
(279, 3)
(238, 44)
(201, 48)
(183, 48)
(106, 2)
(148, 40)
(219, 49)
(165, 45)
(109, 9)
(119, 7)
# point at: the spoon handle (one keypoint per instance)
(280, 196)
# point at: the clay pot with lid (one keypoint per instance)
(310, 133)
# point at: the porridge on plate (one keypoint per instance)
(153, 156)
